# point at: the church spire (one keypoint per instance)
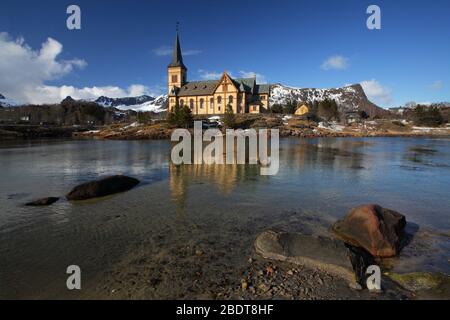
(177, 57)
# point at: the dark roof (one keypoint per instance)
(207, 87)
(262, 89)
(177, 57)
(197, 88)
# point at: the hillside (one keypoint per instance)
(350, 98)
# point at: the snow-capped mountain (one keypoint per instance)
(349, 98)
(4, 102)
(141, 103)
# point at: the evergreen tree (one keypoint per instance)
(186, 117)
(290, 106)
(424, 116)
(229, 119)
(328, 110)
(276, 108)
(180, 117)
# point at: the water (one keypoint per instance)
(156, 230)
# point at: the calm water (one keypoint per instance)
(215, 208)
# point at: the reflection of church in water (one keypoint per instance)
(224, 178)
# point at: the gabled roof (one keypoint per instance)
(262, 89)
(177, 57)
(198, 88)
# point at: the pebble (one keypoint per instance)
(244, 285)
(355, 286)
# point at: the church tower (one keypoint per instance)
(177, 71)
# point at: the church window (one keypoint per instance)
(230, 99)
(202, 102)
(174, 78)
(219, 99)
(211, 103)
(191, 103)
(181, 102)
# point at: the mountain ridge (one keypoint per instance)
(350, 98)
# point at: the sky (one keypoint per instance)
(124, 47)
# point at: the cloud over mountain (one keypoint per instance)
(376, 92)
(25, 72)
(335, 63)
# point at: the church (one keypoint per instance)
(212, 97)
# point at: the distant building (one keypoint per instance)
(302, 109)
(212, 97)
(26, 118)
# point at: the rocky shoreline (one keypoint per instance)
(163, 131)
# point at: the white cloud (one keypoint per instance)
(24, 73)
(437, 85)
(376, 92)
(335, 63)
(53, 94)
(164, 51)
(250, 74)
(210, 75)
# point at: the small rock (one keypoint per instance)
(263, 287)
(198, 252)
(101, 188)
(244, 285)
(355, 286)
(42, 202)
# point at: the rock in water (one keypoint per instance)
(102, 188)
(319, 253)
(437, 284)
(376, 229)
(42, 202)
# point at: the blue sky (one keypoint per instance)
(122, 46)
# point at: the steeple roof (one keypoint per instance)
(177, 57)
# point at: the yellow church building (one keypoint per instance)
(212, 97)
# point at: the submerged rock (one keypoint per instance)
(42, 202)
(378, 230)
(102, 187)
(319, 253)
(423, 281)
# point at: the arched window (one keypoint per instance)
(219, 99)
(230, 99)
(211, 103)
(202, 102)
(191, 103)
(181, 102)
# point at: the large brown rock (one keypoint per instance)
(318, 253)
(102, 188)
(374, 228)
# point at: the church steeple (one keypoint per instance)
(177, 56)
(177, 71)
